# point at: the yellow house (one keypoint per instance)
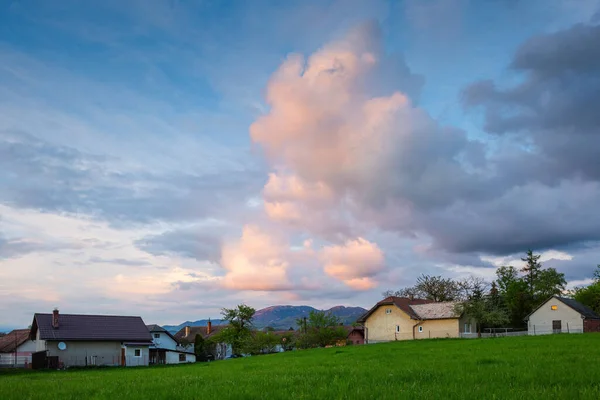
(401, 318)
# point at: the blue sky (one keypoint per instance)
(151, 164)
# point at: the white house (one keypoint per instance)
(561, 315)
(165, 349)
(83, 340)
(16, 348)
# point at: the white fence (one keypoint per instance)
(507, 332)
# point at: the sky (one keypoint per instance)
(167, 158)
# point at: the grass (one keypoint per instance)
(542, 367)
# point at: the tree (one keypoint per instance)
(260, 343)
(429, 287)
(590, 295)
(484, 309)
(437, 288)
(320, 329)
(549, 283)
(531, 270)
(239, 329)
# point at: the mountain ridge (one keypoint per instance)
(281, 317)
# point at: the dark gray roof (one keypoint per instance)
(91, 327)
(580, 308)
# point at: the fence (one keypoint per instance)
(23, 360)
(486, 333)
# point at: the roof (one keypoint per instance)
(91, 327)
(12, 340)
(199, 330)
(157, 328)
(349, 329)
(587, 312)
(443, 310)
(403, 303)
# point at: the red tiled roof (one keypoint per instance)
(12, 340)
(199, 330)
(402, 303)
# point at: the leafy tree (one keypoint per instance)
(484, 309)
(549, 283)
(320, 329)
(260, 343)
(239, 329)
(590, 295)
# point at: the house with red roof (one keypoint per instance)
(16, 348)
(402, 318)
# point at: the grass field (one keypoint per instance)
(542, 367)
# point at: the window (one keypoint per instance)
(181, 357)
(467, 328)
(554, 307)
(397, 328)
(137, 352)
(388, 310)
(420, 329)
(157, 336)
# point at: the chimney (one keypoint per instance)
(55, 318)
(187, 331)
(208, 327)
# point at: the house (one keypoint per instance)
(187, 335)
(562, 315)
(165, 349)
(356, 334)
(68, 340)
(402, 318)
(16, 348)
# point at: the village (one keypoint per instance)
(59, 341)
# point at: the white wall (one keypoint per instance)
(173, 358)
(132, 360)
(164, 341)
(540, 322)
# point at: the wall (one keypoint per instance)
(132, 360)
(356, 337)
(80, 353)
(173, 358)
(381, 327)
(438, 328)
(540, 322)
(164, 341)
(591, 325)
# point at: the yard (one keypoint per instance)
(542, 367)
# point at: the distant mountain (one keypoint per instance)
(282, 317)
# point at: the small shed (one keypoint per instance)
(561, 315)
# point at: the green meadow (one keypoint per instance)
(542, 367)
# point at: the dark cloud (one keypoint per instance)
(186, 243)
(545, 181)
(37, 174)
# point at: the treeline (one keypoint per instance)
(319, 329)
(506, 301)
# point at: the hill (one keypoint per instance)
(281, 317)
(526, 367)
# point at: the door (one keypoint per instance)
(122, 357)
(556, 326)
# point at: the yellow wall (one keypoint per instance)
(382, 327)
(438, 328)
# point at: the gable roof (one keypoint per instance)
(403, 303)
(91, 327)
(152, 328)
(198, 330)
(587, 312)
(442, 310)
(12, 340)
